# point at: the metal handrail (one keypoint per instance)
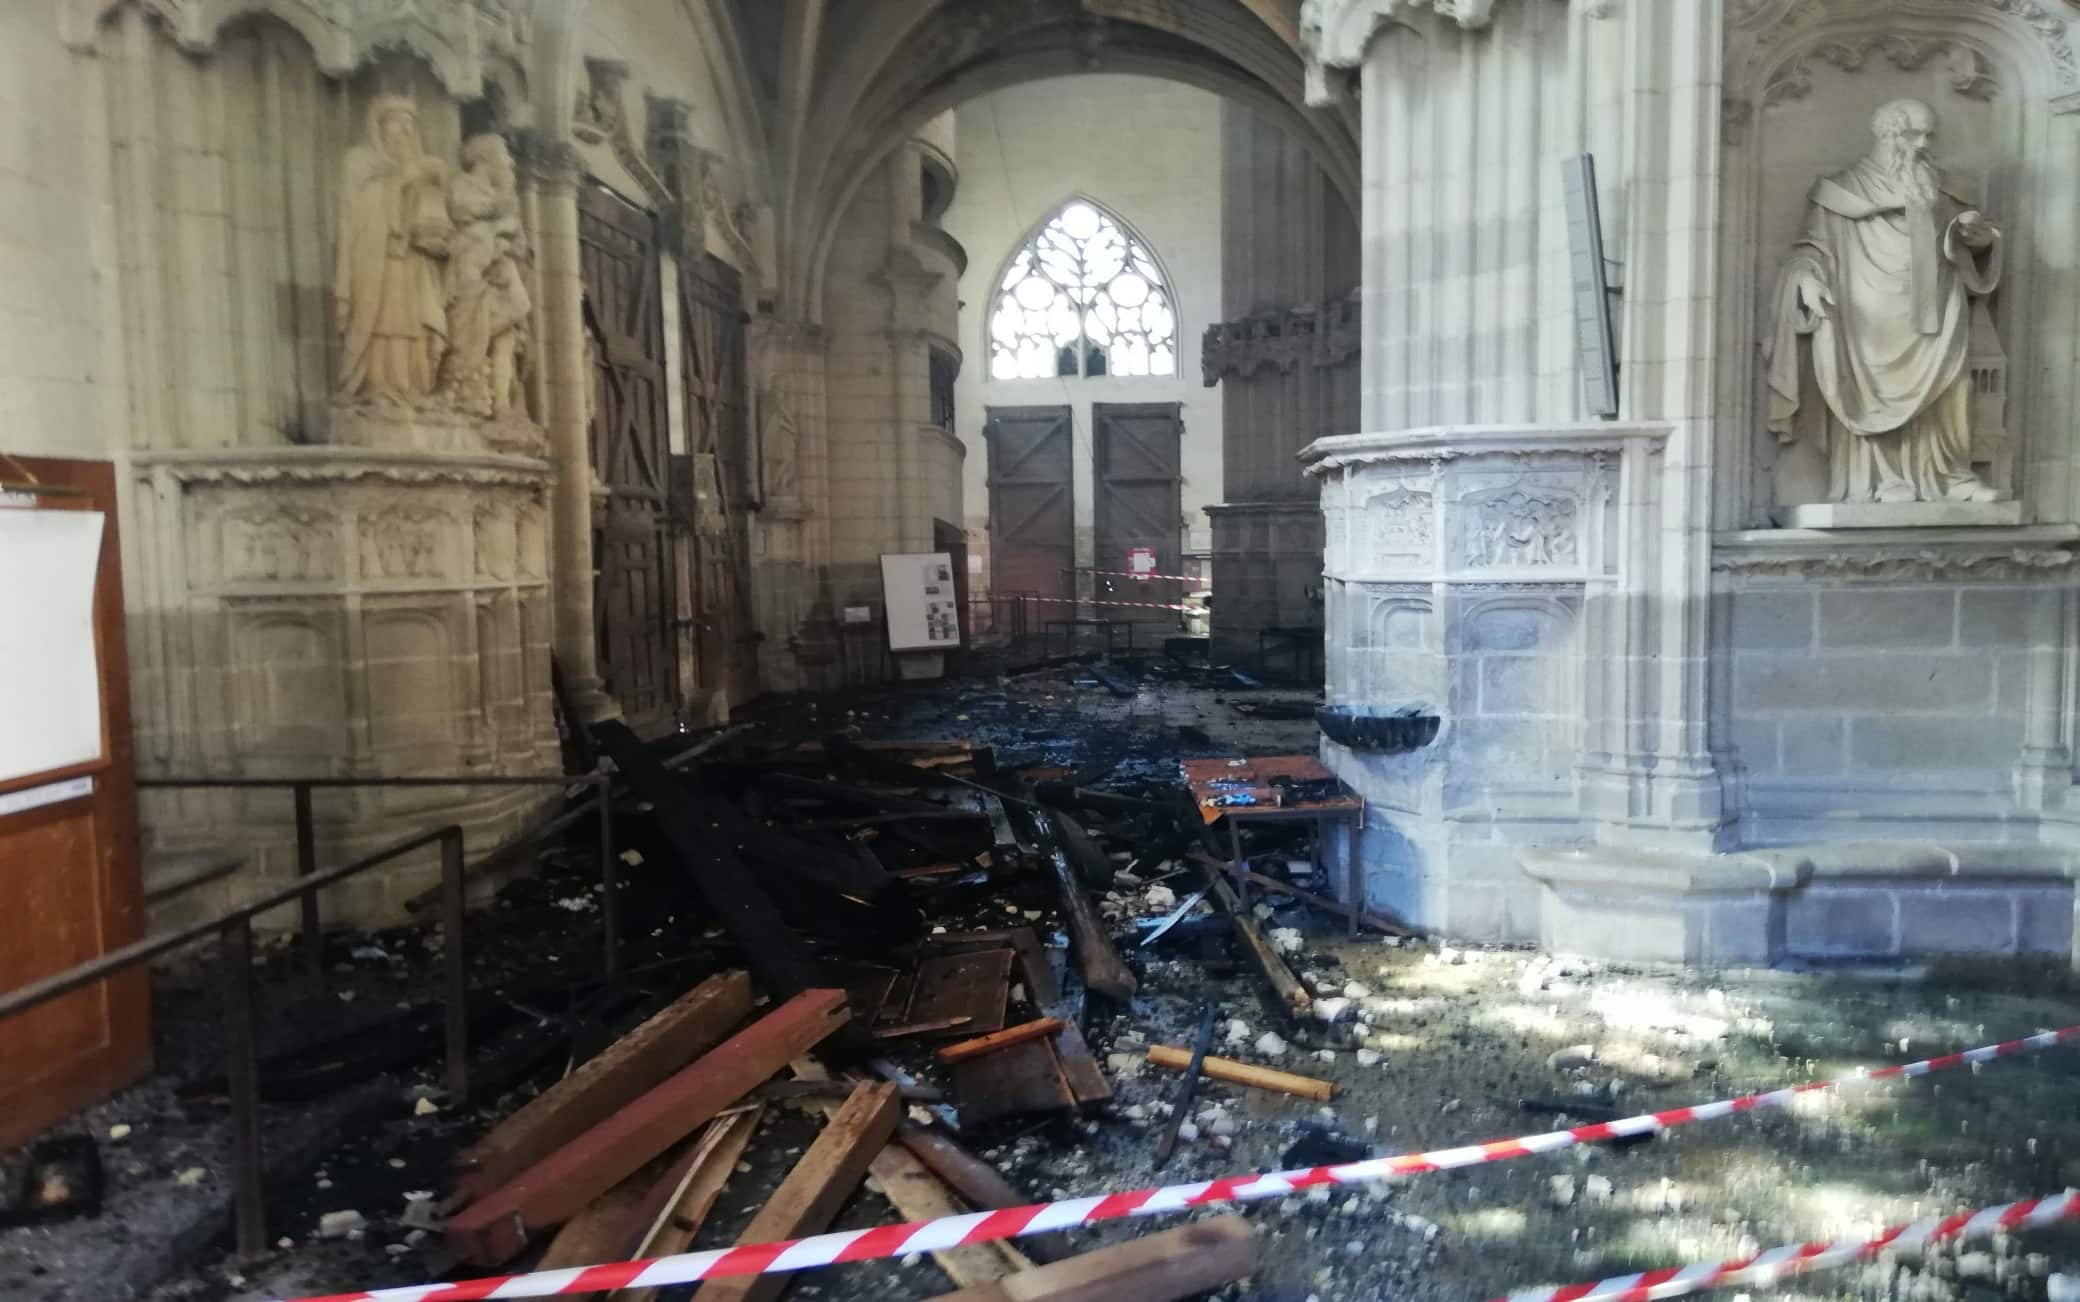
(313, 928)
(23, 998)
(234, 932)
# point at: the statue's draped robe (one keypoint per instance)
(393, 327)
(1888, 358)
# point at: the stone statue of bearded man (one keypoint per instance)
(1874, 310)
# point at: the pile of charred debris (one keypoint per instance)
(910, 945)
(894, 906)
(897, 966)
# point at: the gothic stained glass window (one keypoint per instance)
(1083, 297)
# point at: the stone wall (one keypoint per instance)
(57, 203)
(326, 578)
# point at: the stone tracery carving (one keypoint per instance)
(1968, 72)
(459, 41)
(1321, 335)
(1878, 299)
(1760, 30)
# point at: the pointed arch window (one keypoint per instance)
(1084, 296)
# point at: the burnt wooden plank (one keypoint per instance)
(817, 1187)
(976, 986)
(601, 1232)
(497, 1225)
(1022, 1079)
(968, 1175)
(695, 1022)
(1039, 1028)
(1179, 1263)
(1103, 970)
(1086, 1079)
(781, 962)
(919, 1195)
(680, 1202)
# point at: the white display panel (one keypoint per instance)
(52, 677)
(924, 614)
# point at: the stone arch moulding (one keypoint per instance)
(457, 38)
(831, 202)
(1336, 33)
(1031, 233)
(1767, 39)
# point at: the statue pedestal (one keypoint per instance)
(395, 428)
(1899, 515)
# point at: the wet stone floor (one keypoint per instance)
(1437, 1046)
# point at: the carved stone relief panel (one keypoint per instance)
(1524, 526)
(408, 541)
(1404, 522)
(283, 539)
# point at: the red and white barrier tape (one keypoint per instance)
(1130, 574)
(1136, 605)
(1796, 1258)
(1017, 1222)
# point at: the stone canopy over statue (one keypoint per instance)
(431, 288)
(1873, 326)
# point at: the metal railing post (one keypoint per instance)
(242, 1070)
(454, 964)
(609, 872)
(307, 866)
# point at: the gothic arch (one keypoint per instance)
(921, 58)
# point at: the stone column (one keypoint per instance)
(1285, 358)
(1574, 703)
(566, 386)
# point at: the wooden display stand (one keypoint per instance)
(69, 869)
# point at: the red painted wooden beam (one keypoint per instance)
(498, 1225)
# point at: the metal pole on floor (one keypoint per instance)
(453, 900)
(307, 866)
(609, 871)
(242, 1071)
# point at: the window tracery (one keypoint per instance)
(1083, 297)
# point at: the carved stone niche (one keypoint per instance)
(1804, 82)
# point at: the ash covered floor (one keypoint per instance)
(1438, 1046)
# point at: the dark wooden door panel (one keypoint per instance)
(712, 356)
(630, 444)
(1137, 451)
(1032, 500)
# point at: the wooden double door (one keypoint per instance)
(1137, 494)
(632, 528)
(664, 512)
